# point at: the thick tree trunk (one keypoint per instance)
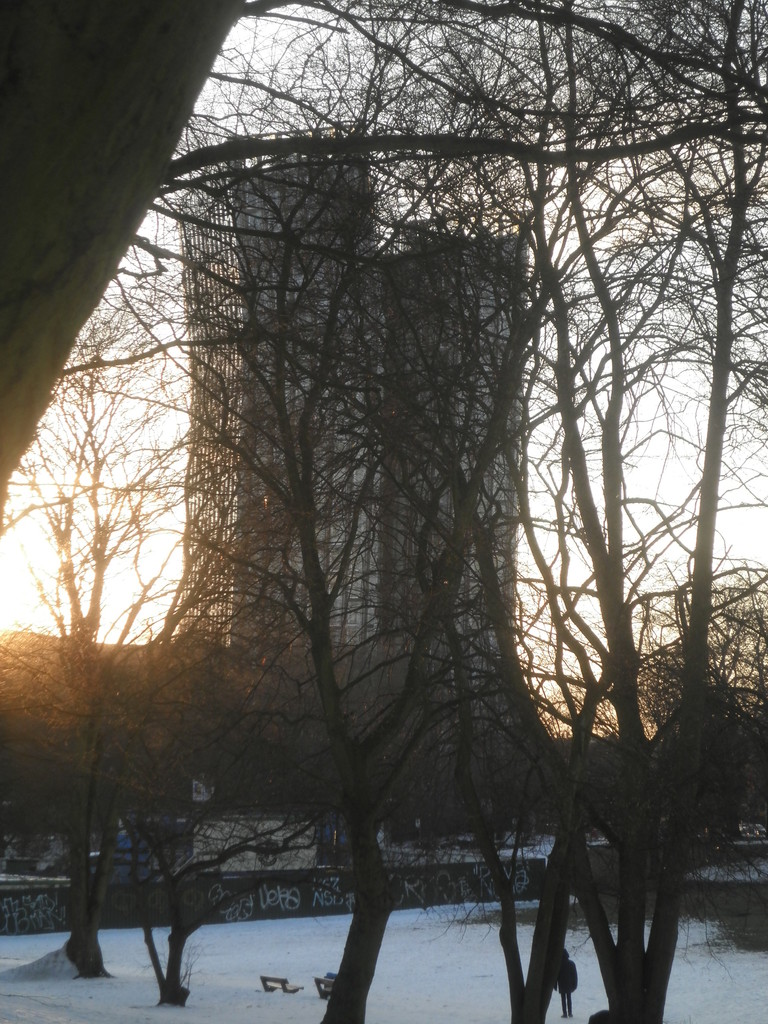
(170, 984)
(630, 947)
(87, 892)
(94, 98)
(84, 950)
(85, 905)
(373, 905)
(169, 981)
(549, 933)
(172, 991)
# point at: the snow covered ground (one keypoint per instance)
(432, 970)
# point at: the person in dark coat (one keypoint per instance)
(567, 980)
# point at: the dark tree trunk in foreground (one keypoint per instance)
(173, 991)
(94, 99)
(84, 950)
(88, 889)
(373, 905)
(170, 981)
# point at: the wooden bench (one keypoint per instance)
(278, 985)
(325, 985)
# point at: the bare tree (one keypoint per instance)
(210, 794)
(641, 142)
(104, 483)
(629, 255)
(355, 349)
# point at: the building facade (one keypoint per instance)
(344, 366)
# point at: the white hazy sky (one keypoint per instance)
(19, 599)
(27, 558)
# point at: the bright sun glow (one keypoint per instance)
(20, 606)
(97, 505)
(28, 568)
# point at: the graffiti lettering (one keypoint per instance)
(520, 883)
(122, 901)
(279, 897)
(521, 880)
(328, 893)
(414, 892)
(231, 906)
(465, 893)
(30, 914)
(252, 896)
(485, 883)
(445, 888)
(240, 909)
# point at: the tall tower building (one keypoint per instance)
(275, 292)
(215, 318)
(341, 371)
(452, 303)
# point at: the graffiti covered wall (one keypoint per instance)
(33, 912)
(226, 898)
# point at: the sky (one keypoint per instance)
(28, 559)
(19, 600)
(434, 968)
